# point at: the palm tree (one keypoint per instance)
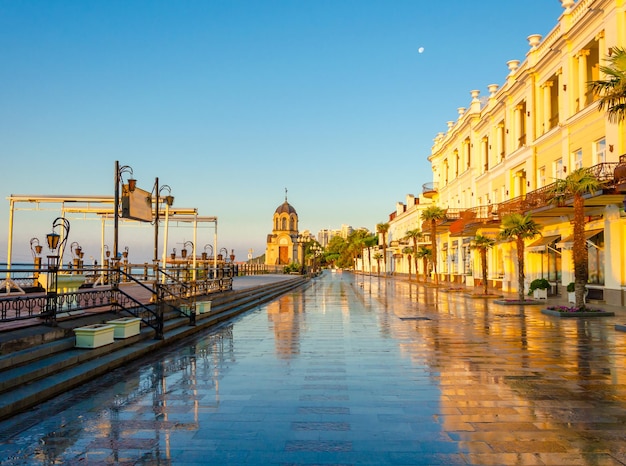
(378, 256)
(370, 242)
(414, 235)
(409, 250)
(482, 244)
(433, 214)
(382, 229)
(519, 227)
(612, 90)
(424, 253)
(576, 185)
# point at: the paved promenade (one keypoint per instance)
(353, 370)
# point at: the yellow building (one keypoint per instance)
(282, 243)
(505, 150)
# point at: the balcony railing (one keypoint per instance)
(619, 174)
(603, 172)
(428, 189)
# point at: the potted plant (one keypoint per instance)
(571, 295)
(539, 288)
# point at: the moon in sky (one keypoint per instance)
(421, 50)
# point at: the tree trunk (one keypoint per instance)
(417, 278)
(520, 271)
(433, 242)
(483, 264)
(581, 261)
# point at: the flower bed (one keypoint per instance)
(509, 302)
(575, 311)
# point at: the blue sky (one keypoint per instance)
(231, 102)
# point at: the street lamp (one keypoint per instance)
(205, 256)
(221, 256)
(35, 249)
(75, 249)
(132, 184)
(232, 255)
(183, 252)
(302, 242)
(56, 246)
(169, 200)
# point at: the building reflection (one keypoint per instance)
(511, 366)
(285, 317)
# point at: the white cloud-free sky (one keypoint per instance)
(229, 102)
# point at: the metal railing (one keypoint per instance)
(167, 292)
(603, 172)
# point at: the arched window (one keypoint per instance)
(284, 224)
(291, 224)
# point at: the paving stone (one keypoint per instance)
(344, 373)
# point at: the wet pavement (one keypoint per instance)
(353, 370)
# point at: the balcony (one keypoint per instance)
(443, 225)
(541, 204)
(619, 175)
(429, 190)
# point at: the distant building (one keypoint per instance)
(324, 236)
(282, 243)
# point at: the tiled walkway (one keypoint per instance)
(353, 371)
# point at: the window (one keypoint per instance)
(557, 169)
(485, 153)
(577, 160)
(599, 151)
(521, 123)
(541, 177)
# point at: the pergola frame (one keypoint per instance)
(103, 207)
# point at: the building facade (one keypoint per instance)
(505, 151)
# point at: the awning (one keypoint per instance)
(568, 243)
(541, 243)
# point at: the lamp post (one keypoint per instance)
(56, 245)
(132, 184)
(35, 249)
(75, 249)
(302, 242)
(169, 200)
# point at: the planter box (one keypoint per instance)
(571, 297)
(556, 313)
(94, 336)
(125, 327)
(540, 294)
(203, 307)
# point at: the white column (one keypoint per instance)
(614, 248)
(582, 78)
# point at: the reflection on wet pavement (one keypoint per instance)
(352, 371)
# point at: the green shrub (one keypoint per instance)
(538, 284)
(571, 287)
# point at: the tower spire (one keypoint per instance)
(285, 194)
